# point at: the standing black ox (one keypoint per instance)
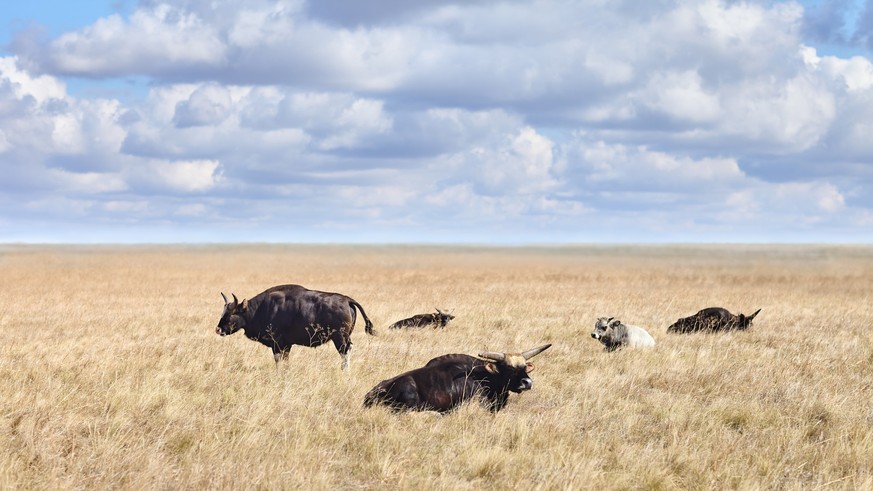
(435, 320)
(290, 314)
(712, 319)
(449, 380)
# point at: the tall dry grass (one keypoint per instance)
(111, 375)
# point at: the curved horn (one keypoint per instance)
(235, 301)
(224, 297)
(753, 315)
(535, 351)
(493, 355)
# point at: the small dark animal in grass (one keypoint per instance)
(614, 335)
(712, 319)
(290, 314)
(435, 320)
(449, 380)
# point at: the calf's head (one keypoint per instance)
(232, 319)
(604, 328)
(511, 369)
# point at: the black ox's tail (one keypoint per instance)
(374, 396)
(368, 326)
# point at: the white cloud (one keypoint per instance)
(41, 88)
(803, 203)
(681, 95)
(207, 105)
(703, 113)
(88, 182)
(522, 164)
(856, 72)
(619, 166)
(161, 37)
(187, 176)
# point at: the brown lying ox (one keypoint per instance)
(712, 319)
(291, 314)
(435, 320)
(447, 381)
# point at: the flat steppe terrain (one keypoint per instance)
(112, 376)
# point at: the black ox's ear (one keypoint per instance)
(245, 304)
(491, 367)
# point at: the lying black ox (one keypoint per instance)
(449, 380)
(290, 314)
(712, 319)
(435, 320)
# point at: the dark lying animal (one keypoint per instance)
(290, 314)
(435, 320)
(449, 380)
(712, 319)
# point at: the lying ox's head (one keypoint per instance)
(744, 322)
(232, 319)
(512, 369)
(604, 328)
(444, 317)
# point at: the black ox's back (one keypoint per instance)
(447, 381)
(712, 319)
(434, 320)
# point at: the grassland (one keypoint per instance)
(111, 374)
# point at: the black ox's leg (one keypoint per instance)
(343, 345)
(498, 402)
(277, 354)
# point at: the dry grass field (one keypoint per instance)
(112, 376)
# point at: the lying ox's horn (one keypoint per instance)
(535, 351)
(493, 355)
(753, 315)
(224, 297)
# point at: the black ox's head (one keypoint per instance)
(232, 319)
(444, 317)
(512, 369)
(744, 322)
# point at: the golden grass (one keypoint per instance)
(111, 375)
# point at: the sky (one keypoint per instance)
(436, 121)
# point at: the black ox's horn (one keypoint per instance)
(493, 355)
(527, 355)
(224, 297)
(535, 351)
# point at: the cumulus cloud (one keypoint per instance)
(207, 105)
(501, 116)
(161, 38)
(189, 176)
